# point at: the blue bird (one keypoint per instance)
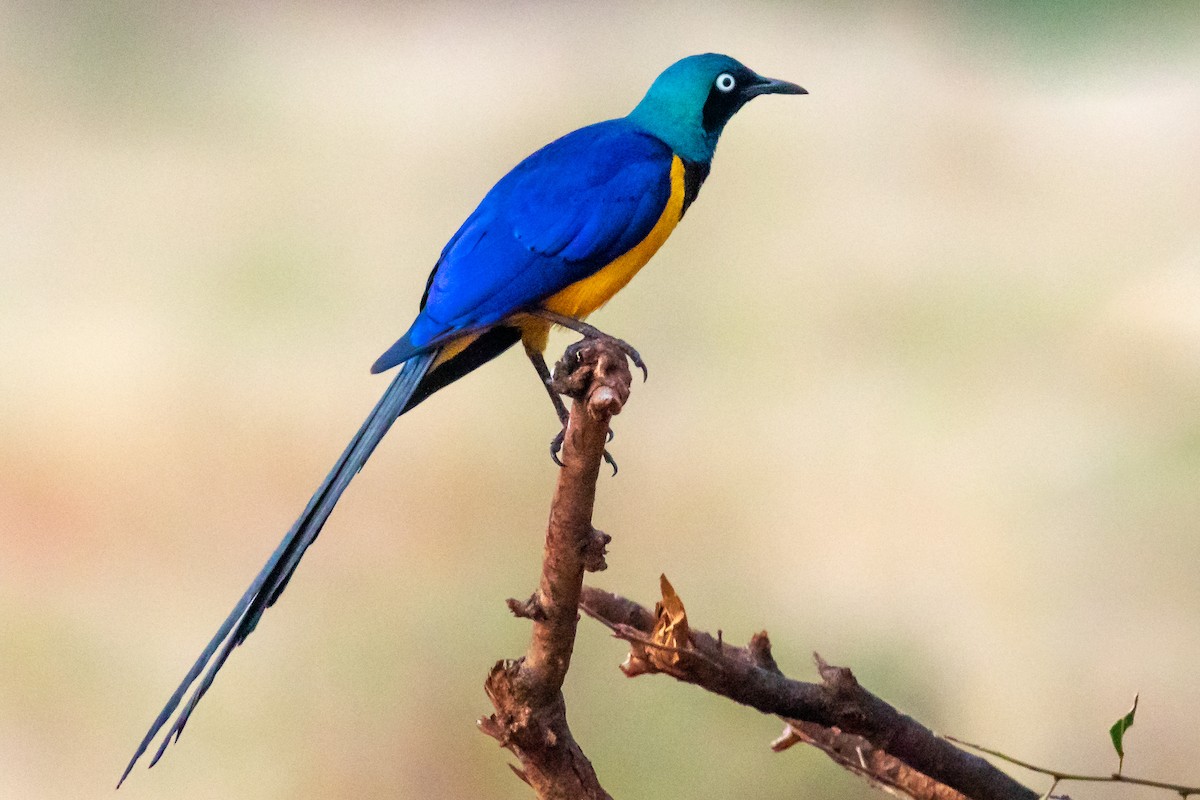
(552, 242)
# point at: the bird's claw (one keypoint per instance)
(556, 447)
(625, 347)
(633, 355)
(591, 332)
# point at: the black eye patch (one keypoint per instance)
(720, 105)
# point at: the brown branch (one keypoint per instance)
(855, 754)
(530, 718)
(838, 704)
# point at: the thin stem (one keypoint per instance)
(1057, 775)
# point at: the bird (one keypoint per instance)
(550, 243)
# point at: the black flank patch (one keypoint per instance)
(490, 344)
(694, 173)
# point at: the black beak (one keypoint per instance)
(772, 86)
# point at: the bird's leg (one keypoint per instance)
(592, 332)
(560, 408)
(539, 365)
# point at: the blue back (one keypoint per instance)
(559, 216)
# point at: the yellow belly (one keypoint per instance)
(585, 296)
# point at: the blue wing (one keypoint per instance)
(559, 216)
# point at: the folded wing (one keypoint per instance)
(562, 214)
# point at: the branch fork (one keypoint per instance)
(837, 715)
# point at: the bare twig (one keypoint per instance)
(530, 718)
(1062, 777)
(838, 704)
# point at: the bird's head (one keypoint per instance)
(688, 105)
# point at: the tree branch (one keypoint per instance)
(855, 754)
(839, 704)
(530, 715)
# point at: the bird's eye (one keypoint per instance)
(725, 82)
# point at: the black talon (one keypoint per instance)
(557, 442)
(555, 445)
(630, 352)
(635, 357)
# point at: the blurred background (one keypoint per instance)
(925, 379)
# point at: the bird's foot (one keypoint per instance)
(592, 332)
(625, 347)
(631, 353)
(556, 447)
(594, 370)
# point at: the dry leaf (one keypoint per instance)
(671, 627)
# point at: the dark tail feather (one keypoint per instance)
(266, 588)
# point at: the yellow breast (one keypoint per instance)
(585, 296)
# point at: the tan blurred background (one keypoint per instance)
(925, 379)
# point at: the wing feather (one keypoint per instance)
(562, 214)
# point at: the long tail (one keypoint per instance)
(266, 588)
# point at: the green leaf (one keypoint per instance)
(1117, 732)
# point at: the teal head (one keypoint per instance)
(690, 102)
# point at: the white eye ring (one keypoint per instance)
(725, 82)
